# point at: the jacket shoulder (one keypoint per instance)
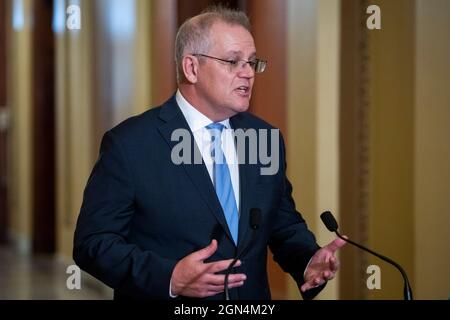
(254, 121)
(137, 123)
(143, 124)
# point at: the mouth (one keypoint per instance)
(243, 90)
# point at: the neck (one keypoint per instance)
(190, 94)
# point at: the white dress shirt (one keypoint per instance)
(197, 122)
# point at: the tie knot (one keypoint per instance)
(215, 130)
(215, 126)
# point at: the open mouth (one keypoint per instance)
(244, 90)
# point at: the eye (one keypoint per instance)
(233, 62)
(253, 63)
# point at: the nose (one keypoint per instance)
(246, 70)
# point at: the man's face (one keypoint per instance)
(223, 90)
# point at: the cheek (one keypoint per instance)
(219, 85)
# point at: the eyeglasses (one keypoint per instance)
(256, 64)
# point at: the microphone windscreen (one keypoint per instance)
(329, 221)
(255, 218)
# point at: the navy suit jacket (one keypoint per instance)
(142, 213)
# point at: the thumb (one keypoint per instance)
(206, 252)
(336, 244)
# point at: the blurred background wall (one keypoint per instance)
(365, 114)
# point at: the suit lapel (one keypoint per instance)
(173, 119)
(247, 179)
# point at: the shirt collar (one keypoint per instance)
(195, 119)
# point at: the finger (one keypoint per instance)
(220, 279)
(216, 288)
(334, 264)
(327, 275)
(237, 277)
(336, 244)
(213, 290)
(221, 265)
(236, 284)
(206, 252)
(221, 288)
(208, 293)
(307, 286)
(333, 259)
(318, 281)
(314, 283)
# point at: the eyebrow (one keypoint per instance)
(233, 52)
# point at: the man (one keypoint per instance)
(152, 227)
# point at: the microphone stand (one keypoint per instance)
(407, 292)
(230, 267)
(255, 220)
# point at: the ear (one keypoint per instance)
(190, 68)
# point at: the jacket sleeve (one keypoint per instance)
(101, 245)
(291, 242)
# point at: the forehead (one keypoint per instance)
(232, 38)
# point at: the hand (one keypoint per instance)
(323, 265)
(192, 277)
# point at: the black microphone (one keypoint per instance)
(255, 221)
(331, 224)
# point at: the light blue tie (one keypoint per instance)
(222, 180)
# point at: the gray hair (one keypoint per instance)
(193, 34)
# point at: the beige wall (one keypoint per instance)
(73, 125)
(77, 148)
(301, 116)
(328, 125)
(313, 73)
(409, 150)
(432, 150)
(391, 81)
(19, 98)
(142, 63)
(76, 143)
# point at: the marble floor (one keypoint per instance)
(43, 277)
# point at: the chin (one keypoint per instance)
(241, 108)
(242, 105)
